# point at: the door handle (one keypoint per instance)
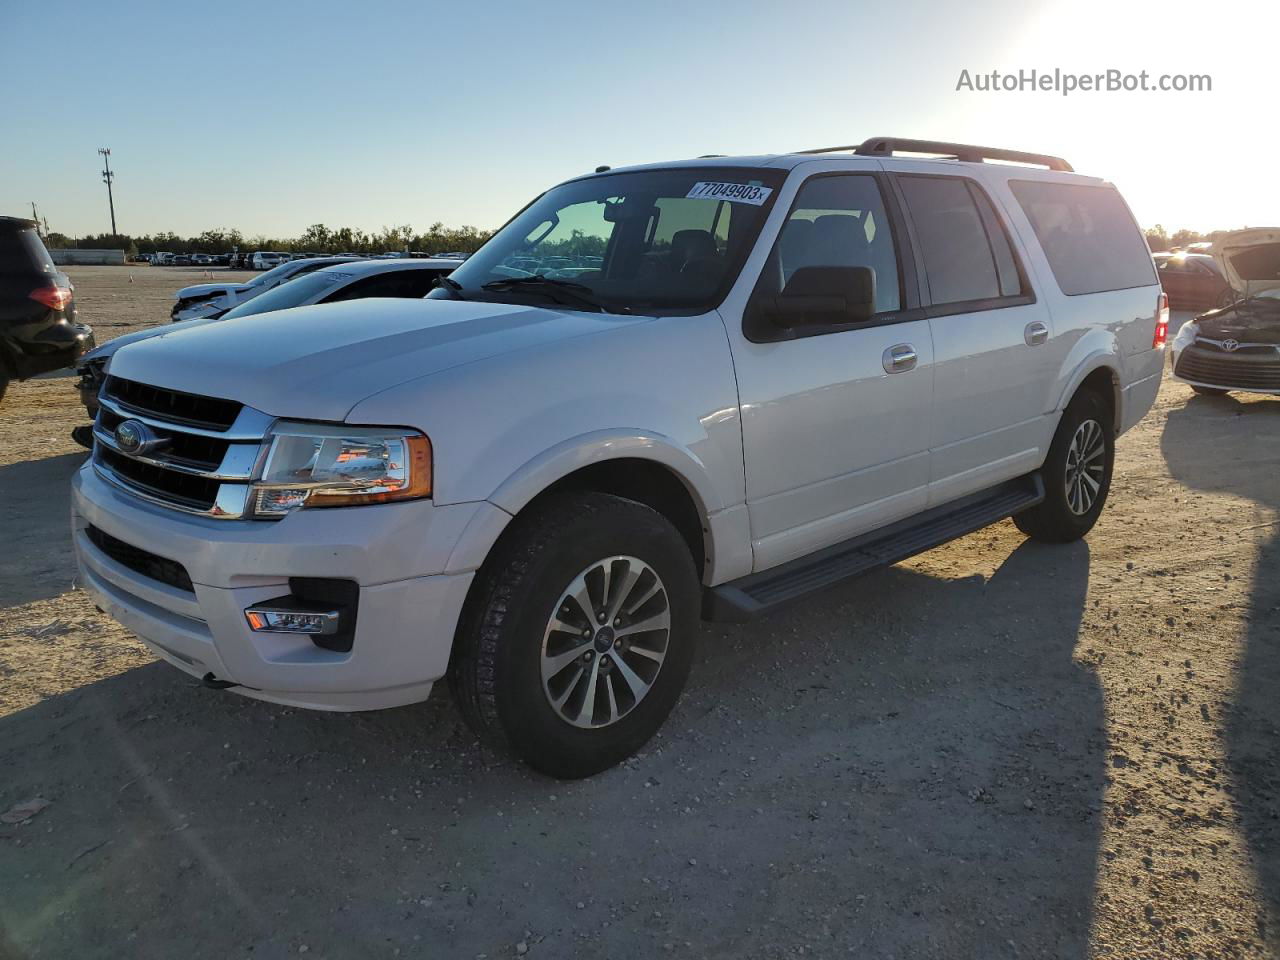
(1035, 333)
(899, 358)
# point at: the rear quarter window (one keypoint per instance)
(1088, 236)
(22, 253)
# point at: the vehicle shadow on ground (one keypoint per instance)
(1208, 460)
(907, 766)
(36, 561)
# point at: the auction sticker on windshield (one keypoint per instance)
(733, 192)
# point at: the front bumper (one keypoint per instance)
(398, 554)
(1255, 371)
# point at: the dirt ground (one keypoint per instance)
(998, 749)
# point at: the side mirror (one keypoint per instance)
(821, 295)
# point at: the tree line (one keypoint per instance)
(1159, 239)
(317, 238)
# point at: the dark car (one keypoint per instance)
(38, 328)
(1193, 281)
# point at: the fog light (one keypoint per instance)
(291, 618)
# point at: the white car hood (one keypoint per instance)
(1250, 259)
(108, 349)
(318, 362)
(204, 289)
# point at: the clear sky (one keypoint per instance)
(272, 116)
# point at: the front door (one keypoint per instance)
(835, 421)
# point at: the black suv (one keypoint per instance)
(38, 329)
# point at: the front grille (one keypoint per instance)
(181, 489)
(139, 560)
(1244, 371)
(186, 449)
(172, 406)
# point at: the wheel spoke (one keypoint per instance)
(582, 597)
(1094, 485)
(613, 699)
(643, 598)
(659, 621)
(559, 701)
(653, 655)
(553, 665)
(620, 594)
(587, 712)
(638, 687)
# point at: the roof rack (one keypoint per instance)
(888, 146)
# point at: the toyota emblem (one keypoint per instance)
(1231, 346)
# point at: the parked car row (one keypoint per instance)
(266, 259)
(294, 284)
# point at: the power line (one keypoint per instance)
(107, 177)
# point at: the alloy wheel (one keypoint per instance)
(606, 642)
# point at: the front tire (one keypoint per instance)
(1077, 473)
(579, 635)
(4, 385)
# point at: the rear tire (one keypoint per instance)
(1209, 391)
(1077, 473)
(525, 642)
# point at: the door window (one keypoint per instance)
(837, 221)
(966, 253)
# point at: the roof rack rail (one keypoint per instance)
(888, 146)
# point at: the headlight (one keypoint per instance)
(1186, 336)
(315, 465)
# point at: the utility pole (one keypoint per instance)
(107, 177)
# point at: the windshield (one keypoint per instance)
(291, 293)
(659, 241)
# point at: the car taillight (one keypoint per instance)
(1162, 321)
(54, 297)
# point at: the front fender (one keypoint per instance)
(587, 449)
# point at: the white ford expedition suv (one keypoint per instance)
(693, 389)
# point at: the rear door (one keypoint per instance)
(834, 422)
(993, 367)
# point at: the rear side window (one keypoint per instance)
(394, 283)
(22, 253)
(966, 252)
(1087, 234)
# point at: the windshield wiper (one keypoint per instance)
(562, 291)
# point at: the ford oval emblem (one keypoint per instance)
(135, 438)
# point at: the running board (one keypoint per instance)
(761, 593)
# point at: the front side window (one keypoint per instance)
(1088, 236)
(837, 221)
(962, 260)
(660, 241)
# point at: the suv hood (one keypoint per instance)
(318, 362)
(206, 289)
(1250, 259)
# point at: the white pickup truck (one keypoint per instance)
(695, 389)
